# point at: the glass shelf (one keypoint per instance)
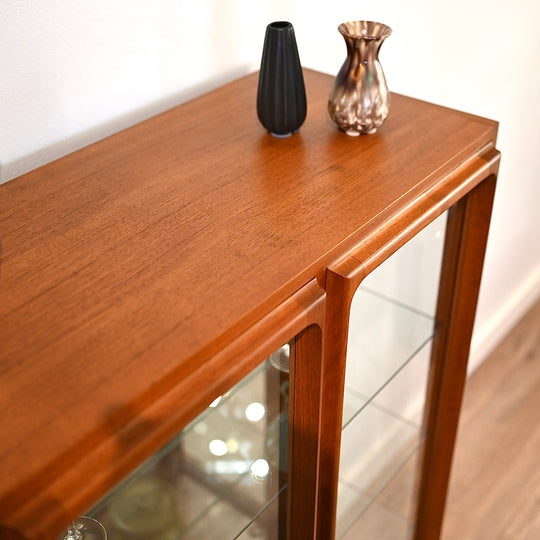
(379, 451)
(367, 471)
(223, 476)
(396, 527)
(384, 337)
(265, 524)
(389, 515)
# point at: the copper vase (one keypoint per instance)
(360, 100)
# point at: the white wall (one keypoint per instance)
(74, 71)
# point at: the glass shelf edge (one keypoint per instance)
(373, 498)
(369, 400)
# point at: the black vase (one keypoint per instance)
(281, 96)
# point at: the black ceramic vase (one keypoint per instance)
(281, 96)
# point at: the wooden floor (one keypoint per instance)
(495, 486)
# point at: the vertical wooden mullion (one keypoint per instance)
(340, 287)
(466, 237)
(304, 414)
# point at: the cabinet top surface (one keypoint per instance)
(131, 257)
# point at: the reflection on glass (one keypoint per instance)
(255, 411)
(260, 468)
(215, 403)
(226, 470)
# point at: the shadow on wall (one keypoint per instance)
(84, 138)
(157, 45)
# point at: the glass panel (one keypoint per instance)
(223, 472)
(392, 316)
(381, 523)
(382, 338)
(389, 516)
(267, 524)
(410, 276)
(379, 449)
(391, 328)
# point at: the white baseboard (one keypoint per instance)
(492, 331)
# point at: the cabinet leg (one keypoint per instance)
(466, 237)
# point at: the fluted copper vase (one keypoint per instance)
(360, 100)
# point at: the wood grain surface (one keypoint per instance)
(127, 265)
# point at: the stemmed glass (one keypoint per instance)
(84, 528)
(280, 358)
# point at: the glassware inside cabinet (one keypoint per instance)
(223, 476)
(84, 528)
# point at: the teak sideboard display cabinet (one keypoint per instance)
(150, 273)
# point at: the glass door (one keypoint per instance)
(224, 476)
(390, 333)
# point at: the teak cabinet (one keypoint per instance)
(147, 274)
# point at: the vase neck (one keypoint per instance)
(363, 50)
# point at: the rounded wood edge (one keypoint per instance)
(387, 236)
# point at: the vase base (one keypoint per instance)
(284, 135)
(355, 133)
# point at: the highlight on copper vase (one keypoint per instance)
(360, 101)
